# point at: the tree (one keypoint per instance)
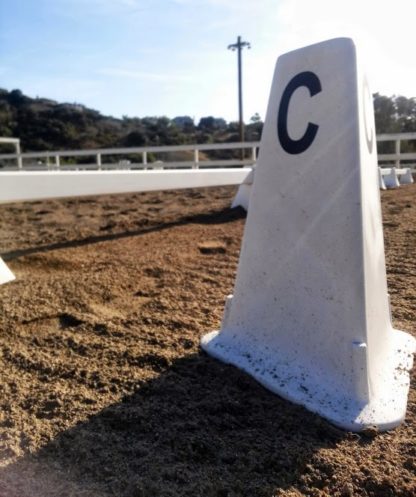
(255, 118)
(406, 114)
(16, 97)
(385, 114)
(396, 114)
(185, 123)
(254, 128)
(211, 123)
(135, 139)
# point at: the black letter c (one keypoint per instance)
(311, 81)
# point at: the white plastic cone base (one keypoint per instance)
(5, 274)
(381, 183)
(391, 180)
(242, 197)
(406, 178)
(292, 382)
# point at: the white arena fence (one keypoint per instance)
(398, 158)
(67, 159)
(41, 175)
(396, 167)
(131, 158)
(15, 142)
(53, 174)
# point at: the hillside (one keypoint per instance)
(43, 124)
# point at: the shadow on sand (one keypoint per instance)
(200, 428)
(212, 217)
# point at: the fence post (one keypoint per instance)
(99, 164)
(196, 159)
(144, 157)
(19, 157)
(254, 154)
(397, 152)
(57, 161)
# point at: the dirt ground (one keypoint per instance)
(104, 389)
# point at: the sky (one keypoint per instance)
(169, 58)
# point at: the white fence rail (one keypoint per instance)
(146, 157)
(398, 158)
(131, 158)
(16, 143)
(19, 186)
(42, 175)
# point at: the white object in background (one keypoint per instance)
(242, 197)
(381, 183)
(405, 175)
(5, 274)
(310, 318)
(391, 180)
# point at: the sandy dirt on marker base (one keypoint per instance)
(104, 390)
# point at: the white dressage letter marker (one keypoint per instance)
(309, 317)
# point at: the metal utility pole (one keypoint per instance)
(239, 46)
